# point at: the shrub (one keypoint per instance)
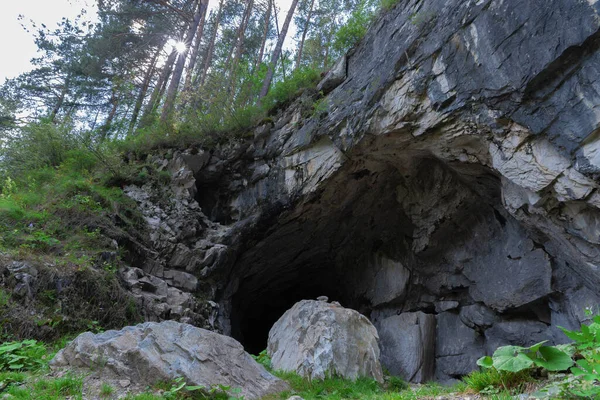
(396, 384)
(355, 28)
(587, 370)
(284, 91)
(517, 358)
(263, 359)
(491, 380)
(27, 355)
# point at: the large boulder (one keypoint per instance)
(408, 345)
(316, 339)
(154, 352)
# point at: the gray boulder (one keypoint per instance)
(316, 339)
(154, 352)
(408, 345)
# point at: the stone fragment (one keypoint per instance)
(572, 185)
(181, 280)
(390, 279)
(533, 166)
(317, 339)
(154, 352)
(477, 316)
(335, 76)
(408, 345)
(442, 306)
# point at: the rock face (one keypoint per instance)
(454, 174)
(316, 339)
(408, 345)
(154, 352)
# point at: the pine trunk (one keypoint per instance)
(263, 43)
(187, 86)
(240, 43)
(211, 46)
(143, 91)
(60, 100)
(306, 25)
(159, 89)
(179, 66)
(277, 51)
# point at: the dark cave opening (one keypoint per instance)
(382, 239)
(321, 248)
(254, 312)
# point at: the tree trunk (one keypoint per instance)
(143, 91)
(60, 100)
(178, 71)
(240, 43)
(211, 46)
(277, 51)
(158, 89)
(306, 25)
(187, 86)
(114, 100)
(265, 35)
(277, 30)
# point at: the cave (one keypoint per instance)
(389, 237)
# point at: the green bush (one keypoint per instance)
(493, 381)
(517, 358)
(284, 91)
(38, 145)
(26, 355)
(396, 384)
(587, 369)
(263, 359)
(355, 28)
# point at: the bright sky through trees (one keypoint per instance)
(17, 46)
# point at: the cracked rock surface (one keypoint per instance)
(449, 191)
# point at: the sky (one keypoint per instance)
(17, 46)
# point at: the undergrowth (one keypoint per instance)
(219, 125)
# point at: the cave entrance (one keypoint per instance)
(381, 238)
(322, 247)
(254, 313)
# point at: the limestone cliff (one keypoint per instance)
(449, 191)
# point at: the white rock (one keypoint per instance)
(154, 352)
(317, 339)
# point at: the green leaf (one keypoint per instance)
(553, 359)
(573, 335)
(534, 349)
(194, 388)
(485, 362)
(582, 374)
(16, 366)
(511, 358)
(8, 347)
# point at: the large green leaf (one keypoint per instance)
(511, 358)
(485, 362)
(536, 346)
(553, 359)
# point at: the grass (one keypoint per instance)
(41, 388)
(106, 390)
(363, 388)
(498, 383)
